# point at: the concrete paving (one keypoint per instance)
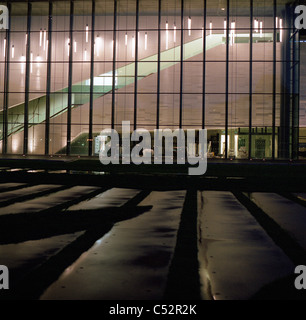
(114, 197)
(8, 195)
(46, 202)
(21, 258)
(131, 261)
(289, 215)
(237, 258)
(4, 186)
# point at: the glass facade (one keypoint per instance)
(69, 69)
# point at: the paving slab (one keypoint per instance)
(237, 258)
(9, 185)
(21, 258)
(130, 262)
(289, 215)
(48, 201)
(8, 195)
(114, 197)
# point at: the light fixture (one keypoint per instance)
(13, 51)
(232, 34)
(281, 30)
(31, 145)
(146, 41)
(4, 47)
(126, 39)
(26, 39)
(38, 59)
(167, 35)
(189, 26)
(40, 37)
(86, 32)
(210, 28)
(133, 47)
(45, 38)
(85, 54)
(256, 25)
(31, 60)
(97, 45)
(15, 145)
(68, 47)
(22, 65)
(75, 46)
(225, 27)
(276, 22)
(47, 46)
(202, 32)
(174, 33)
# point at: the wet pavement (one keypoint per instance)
(114, 197)
(25, 192)
(237, 257)
(289, 215)
(132, 260)
(46, 202)
(22, 258)
(114, 243)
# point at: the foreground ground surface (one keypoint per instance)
(82, 236)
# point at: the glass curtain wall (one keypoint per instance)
(70, 69)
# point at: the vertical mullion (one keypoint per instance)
(297, 96)
(274, 82)
(136, 65)
(292, 95)
(251, 79)
(27, 82)
(68, 150)
(295, 92)
(114, 65)
(158, 66)
(6, 83)
(204, 66)
(48, 88)
(227, 80)
(181, 65)
(90, 135)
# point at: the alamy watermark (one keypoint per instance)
(4, 17)
(300, 21)
(4, 278)
(300, 281)
(191, 148)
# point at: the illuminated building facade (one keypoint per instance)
(70, 69)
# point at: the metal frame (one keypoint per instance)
(69, 107)
(48, 88)
(181, 65)
(204, 66)
(6, 84)
(288, 81)
(226, 76)
(91, 99)
(114, 65)
(27, 82)
(251, 80)
(136, 64)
